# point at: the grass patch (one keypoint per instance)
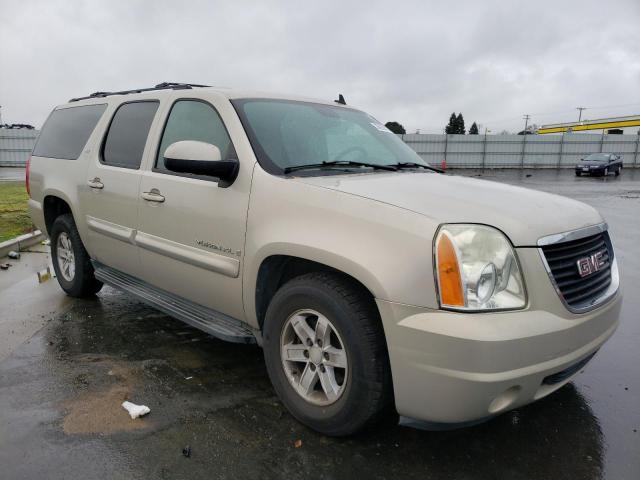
(14, 217)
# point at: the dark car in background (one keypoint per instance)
(600, 164)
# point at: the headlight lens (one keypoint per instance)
(476, 269)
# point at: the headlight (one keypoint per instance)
(476, 269)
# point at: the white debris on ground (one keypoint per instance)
(134, 410)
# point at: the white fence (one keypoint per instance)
(459, 151)
(16, 145)
(521, 151)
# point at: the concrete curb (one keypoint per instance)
(20, 242)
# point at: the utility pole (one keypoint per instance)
(526, 122)
(580, 109)
(524, 138)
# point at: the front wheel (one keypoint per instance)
(578, 174)
(71, 261)
(326, 353)
(606, 172)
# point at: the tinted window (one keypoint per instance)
(67, 130)
(127, 134)
(194, 120)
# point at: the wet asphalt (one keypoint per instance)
(68, 364)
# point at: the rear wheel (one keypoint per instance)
(618, 171)
(326, 353)
(578, 174)
(71, 261)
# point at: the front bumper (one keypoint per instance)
(451, 367)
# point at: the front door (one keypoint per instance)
(113, 178)
(190, 231)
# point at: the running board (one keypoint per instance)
(214, 323)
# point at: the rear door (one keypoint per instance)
(190, 231)
(111, 192)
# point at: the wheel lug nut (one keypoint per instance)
(312, 367)
(309, 342)
(306, 353)
(322, 368)
(319, 342)
(326, 355)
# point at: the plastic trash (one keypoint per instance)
(13, 255)
(186, 451)
(134, 410)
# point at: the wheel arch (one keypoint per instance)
(276, 269)
(55, 204)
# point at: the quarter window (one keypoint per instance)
(127, 134)
(194, 120)
(67, 130)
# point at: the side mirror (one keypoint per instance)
(200, 158)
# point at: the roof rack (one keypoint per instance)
(160, 86)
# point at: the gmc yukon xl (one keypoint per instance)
(374, 283)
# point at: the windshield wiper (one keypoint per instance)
(402, 165)
(340, 163)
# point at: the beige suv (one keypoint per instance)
(374, 283)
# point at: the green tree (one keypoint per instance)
(474, 129)
(452, 126)
(395, 127)
(460, 125)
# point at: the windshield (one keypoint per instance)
(597, 157)
(286, 133)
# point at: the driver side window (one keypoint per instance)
(194, 120)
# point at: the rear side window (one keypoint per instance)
(67, 130)
(127, 135)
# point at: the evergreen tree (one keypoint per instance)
(474, 129)
(460, 125)
(395, 127)
(451, 127)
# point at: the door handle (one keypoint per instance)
(153, 196)
(95, 183)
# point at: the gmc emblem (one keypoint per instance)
(591, 264)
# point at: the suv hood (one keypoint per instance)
(524, 215)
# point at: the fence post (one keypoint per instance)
(446, 142)
(602, 140)
(635, 156)
(561, 150)
(524, 145)
(484, 150)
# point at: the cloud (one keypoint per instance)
(413, 62)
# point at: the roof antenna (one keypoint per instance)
(340, 100)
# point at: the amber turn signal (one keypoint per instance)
(449, 280)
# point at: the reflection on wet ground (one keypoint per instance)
(60, 395)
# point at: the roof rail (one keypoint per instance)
(160, 86)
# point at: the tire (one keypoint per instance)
(366, 394)
(578, 174)
(618, 171)
(606, 172)
(74, 271)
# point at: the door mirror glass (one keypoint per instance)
(200, 158)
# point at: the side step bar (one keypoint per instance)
(214, 323)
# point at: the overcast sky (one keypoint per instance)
(413, 62)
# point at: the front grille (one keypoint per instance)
(562, 259)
